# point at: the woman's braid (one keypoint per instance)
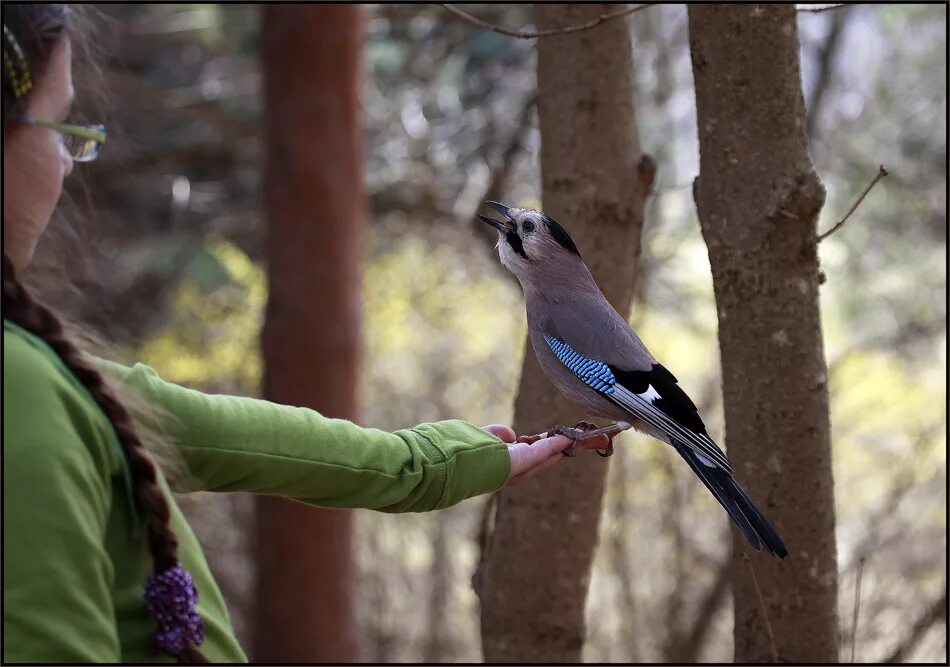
(20, 307)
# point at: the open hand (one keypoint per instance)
(527, 460)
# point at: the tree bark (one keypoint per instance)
(758, 198)
(533, 581)
(315, 205)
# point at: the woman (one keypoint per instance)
(99, 562)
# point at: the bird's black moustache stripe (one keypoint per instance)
(515, 242)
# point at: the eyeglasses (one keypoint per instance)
(81, 143)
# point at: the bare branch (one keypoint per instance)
(621, 559)
(899, 486)
(673, 515)
(439, 644)
(826, 58)
(209, 111)
(483, 541)
(881, 173)
(501, 174)
(523, 34)
(765, 613)
(686, 646)
(934, 614)
(815, 9)
(857, 607)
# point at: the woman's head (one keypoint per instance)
(37, 91)
(37, 81)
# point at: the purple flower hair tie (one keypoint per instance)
(171, 598)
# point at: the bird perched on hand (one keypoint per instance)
(596, 360)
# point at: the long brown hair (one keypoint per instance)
(31, 31)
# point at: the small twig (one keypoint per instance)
(524, 34)
(765, 613)
(881, 173)
(814, 9)
(857, 607)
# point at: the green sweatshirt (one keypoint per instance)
(74, 557)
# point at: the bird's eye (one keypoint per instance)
(527, 227)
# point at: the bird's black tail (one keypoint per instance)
(753, 524)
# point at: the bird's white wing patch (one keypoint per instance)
(650, 394)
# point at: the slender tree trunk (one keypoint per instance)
(628, 646)
(758, 198)
(315, 204)
(827, 56)
(533, 583)
(439, 642)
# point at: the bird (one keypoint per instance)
(595, 359)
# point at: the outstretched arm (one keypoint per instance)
(233, 443)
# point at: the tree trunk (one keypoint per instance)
(438, 644)
(758, 198)
(533, 581)
(315, 204)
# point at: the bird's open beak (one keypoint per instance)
(498, 224)
(501, 208)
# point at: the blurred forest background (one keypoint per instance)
(172, 212)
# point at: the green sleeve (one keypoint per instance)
(57, 576)
(232, 443)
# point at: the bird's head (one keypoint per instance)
(530, 243)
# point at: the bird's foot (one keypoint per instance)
(530, 439)
(610, 448)
(584, 430)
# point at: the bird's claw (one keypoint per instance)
(610, 448)
(587, 426)
(573, 434)
(578, 433)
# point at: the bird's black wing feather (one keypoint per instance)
(655, 397)
(753, 524)
(672, 400)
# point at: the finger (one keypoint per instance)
(504, 433)
(531, 472)
(550, 445)
(595, 442)
(525, 456)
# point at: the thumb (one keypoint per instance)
(504, 433)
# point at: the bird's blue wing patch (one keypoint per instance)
(593, 373)
(667, 410)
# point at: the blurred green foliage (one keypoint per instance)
(214, 322)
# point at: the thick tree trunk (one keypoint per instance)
(758, 199)
(533, 581)
(315, 203)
